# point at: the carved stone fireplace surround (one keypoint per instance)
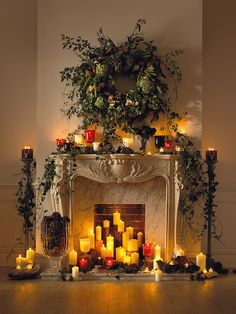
(119, 168)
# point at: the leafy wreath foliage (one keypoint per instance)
(91, 91)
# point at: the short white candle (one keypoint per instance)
(30, 255)
(201, 261)
(120, 252)
(110, 245)
(75, 273)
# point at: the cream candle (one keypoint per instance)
(91, 237)
(84, 245)
(106, 223)
(73, 257)
(135, 258)
(140, 239)
(157, 252)
(30, 255)
(18, 260)
(121, 226)
(120, 252)
(127, 259)
(130, 230)
(110, 245)
(75, 273)
(132, 245)
(96, 146)
(98, 233)
(125, 238)
(201, 261)
(103, 252)
(116, 218)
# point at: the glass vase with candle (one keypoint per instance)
(55, 239)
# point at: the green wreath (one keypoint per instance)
(91, 92)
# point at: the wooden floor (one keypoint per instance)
(117, 297)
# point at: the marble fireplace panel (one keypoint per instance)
(87, 193)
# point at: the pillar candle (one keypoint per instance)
(201, 261)
(99, 233)
(125, 238)
(75, 273)
(18, 260)
(106, 223)
(73, 257)
(132, 245)
(155, 266)
(130, 230)
(135, 258)
(121, 226)
(91, 237)
(98, 245)
(157, 252)
(127, 259)
(116, 218)
(84, 245)
(158, 274)
(30, 255)
(120, 252)
(110, 244)
(103, 252)
(140, 239)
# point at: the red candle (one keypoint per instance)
(109, 261)
(89, 136)
(60, 142)
(168, 144)
(83, 264)
(211, 154)
(147, 250)
(27, 153)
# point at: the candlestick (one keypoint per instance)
(84, 245)
(27, 153)
(75, 273)
(211, 154)
(98, 233)
(30, 255)
(132, 245)
(140, 239)
(110, 245)
(135, 258)
(91, 237)
(121, 226)
(120, 252)
(103, 252)
(130, 230)
(73, 257)
(116, 218)
(201, 261)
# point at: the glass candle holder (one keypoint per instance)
(109, 262)
(147, 250)
(60, 142)
(89, 136)
(84, 264)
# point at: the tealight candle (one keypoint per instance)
(73, 257)
(211, 270)
(204, 271)
(109, 261)
(18, 267)
(83, 264)
(60, 142)
(89, 136)
(201, 261)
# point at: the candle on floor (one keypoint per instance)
(147, 250)
(135, 258)
(201, 261)
(132, 245)
(125, 238)
(91, 237)
(120, 252)
(73, 257)
(84, 245)
(103, 252)
(110, 245)
(140, 239)
(30, 255)
(127, 259)
(121, 226)
(130, 230)
(99, 233)
(75, 273)
(157, 252)
(27, 153)
(116, 218)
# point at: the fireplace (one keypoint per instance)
(148, 181)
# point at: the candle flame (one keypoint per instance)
(210, 149)
(27, 147)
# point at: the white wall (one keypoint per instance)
(219, 111)
(18, 22)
